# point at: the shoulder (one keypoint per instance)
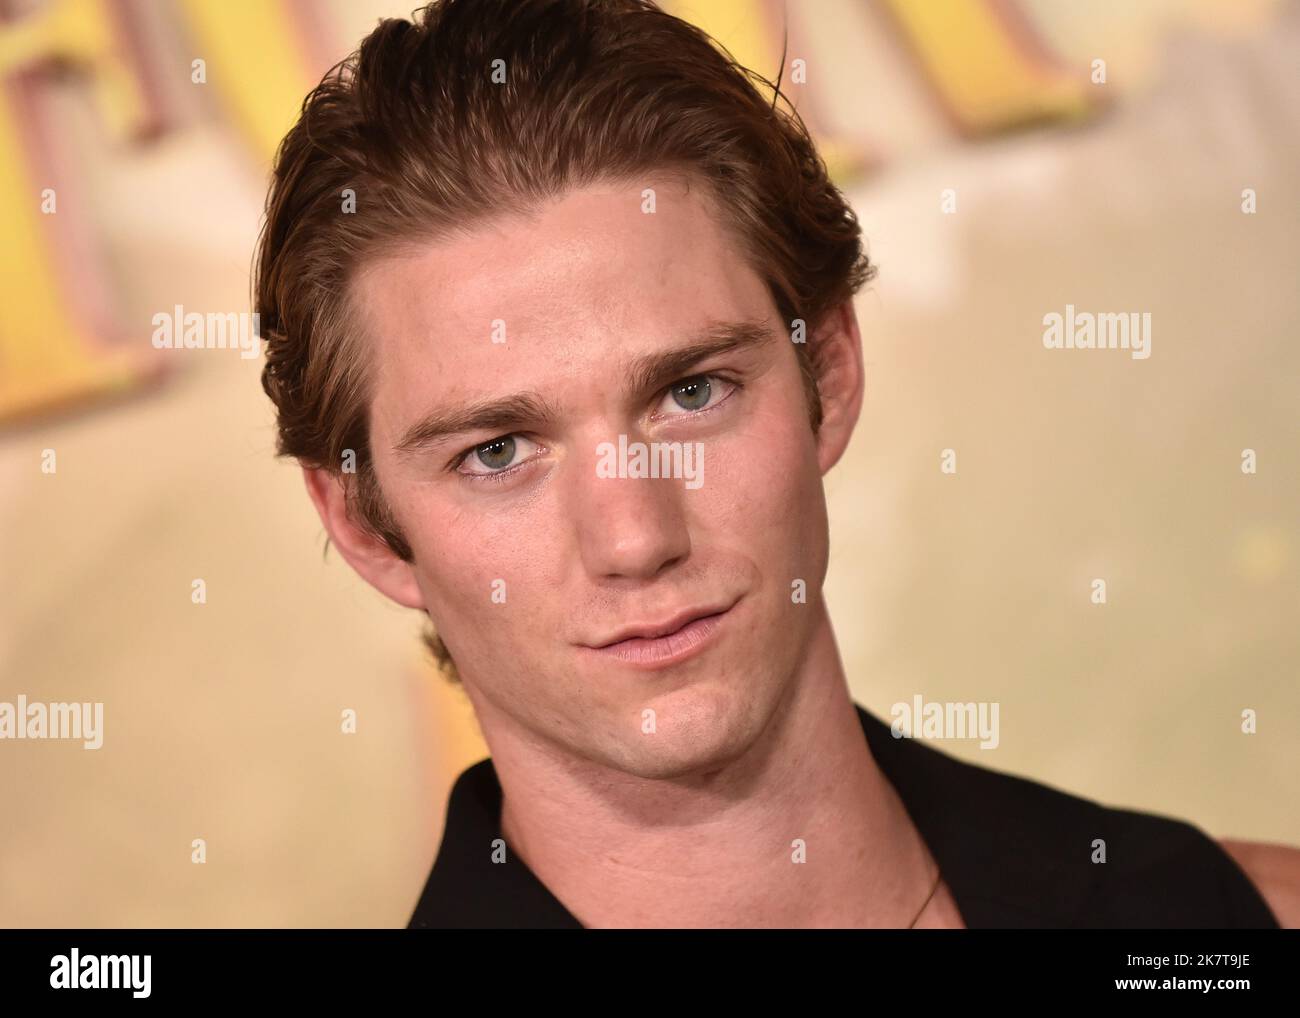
(1109, 867)
(1275, 871)
(1022, 852)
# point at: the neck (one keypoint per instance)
(723, 848)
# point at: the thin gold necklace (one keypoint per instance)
(938, 877)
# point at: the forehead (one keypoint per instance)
(586, 282)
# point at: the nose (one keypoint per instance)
(628, 527)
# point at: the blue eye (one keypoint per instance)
(695, 394)
(496, 456)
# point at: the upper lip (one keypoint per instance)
(652, 630)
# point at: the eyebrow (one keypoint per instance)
(646, 374)
(654, 371)
(499, 415)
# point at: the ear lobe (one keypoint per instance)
(841, 382)
(369, 555)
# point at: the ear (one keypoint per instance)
(369, 555)
(841, 380)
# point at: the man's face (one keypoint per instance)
(529, 558)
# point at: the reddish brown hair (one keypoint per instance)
(415, 126)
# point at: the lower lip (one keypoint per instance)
(665, 650)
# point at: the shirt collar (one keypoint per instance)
(478, 882)
(1013, 852)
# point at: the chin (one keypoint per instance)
(672, 761)
(698, 728)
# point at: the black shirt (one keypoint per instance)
(1013, 852)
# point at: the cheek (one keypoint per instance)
(761, 480)
(479, 572)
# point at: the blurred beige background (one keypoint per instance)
(222, 720)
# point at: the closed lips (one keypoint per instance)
(663, 644)
(660, 630)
